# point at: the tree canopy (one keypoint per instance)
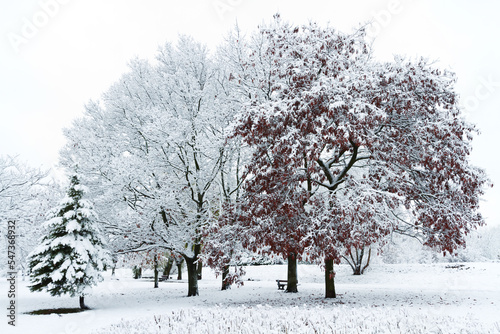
(347, 149)
(293, 141)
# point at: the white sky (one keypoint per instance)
(55, 55)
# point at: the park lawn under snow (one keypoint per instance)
(407, 298)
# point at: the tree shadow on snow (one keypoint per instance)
(57, 311)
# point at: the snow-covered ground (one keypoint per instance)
(403, 298)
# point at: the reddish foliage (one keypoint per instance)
(347, 149)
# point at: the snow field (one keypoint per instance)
(402, 298)
(268, 319)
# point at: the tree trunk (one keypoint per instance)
(356, 262)
(137, 272)
(115, 261)
(225, 272)
(359, 261)
(192, 276)
(156, 271)
(168, 267)
(179, 271)
(82, 303)
(199, 269)
(292, 273)
(367, 261)
(329, 279)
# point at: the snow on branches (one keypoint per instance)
(348, 149)
(71, 254)
(157, 144)
(295, 141)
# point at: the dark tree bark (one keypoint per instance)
(292, 273)
(137, 272)
(225, 272)
(168, 267)
(191, 264)
(329, 279)
(82, 303)
(356, 260)
(179, 269)
(199, 269)
(156, 271)
(192, 277)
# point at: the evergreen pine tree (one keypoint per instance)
(71, 254)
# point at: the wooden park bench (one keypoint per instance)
(163, 278)
(282, 283)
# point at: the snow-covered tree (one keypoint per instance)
(483, 245)
(26, 194)
(18, 183)
(157, 144)
(348, 149)
(71, 254)
(223, 245)
(355, 257)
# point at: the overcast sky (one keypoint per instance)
(55, 55)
